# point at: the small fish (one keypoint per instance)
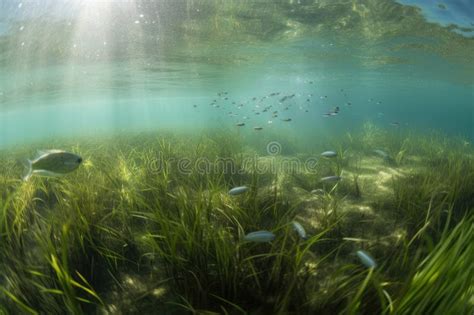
(384, 155)
(287, 119)
(195, 106)
(329, 154)
(52, 163)
(259, 237)
(366, 259)
(270, 122)
(331, 179)
(238, 190)
(318, 192)
(395, 124)
(284, 98)
(257, 128)
(334, 112)
(381, 153)
(240, 124)
(299, 229)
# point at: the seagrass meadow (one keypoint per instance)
(133, 231)
(280, 157)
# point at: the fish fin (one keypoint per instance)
(29, 166)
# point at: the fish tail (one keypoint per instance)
(29, 166)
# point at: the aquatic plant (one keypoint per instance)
(443, 281)
(71, 244)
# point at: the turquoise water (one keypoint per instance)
(85, 68)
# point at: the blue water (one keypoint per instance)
(92, 75)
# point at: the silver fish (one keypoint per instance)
(299, 229)
(52, 163)
(384, 155)
(319, 192)
(381, 153)
(329, 154)
(259, 237)
(366, 259)
(238, 190)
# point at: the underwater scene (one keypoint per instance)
(237, 157)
